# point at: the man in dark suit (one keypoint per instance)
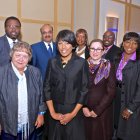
(111, 50)
(12, 27)
(44, 50)
(41, 53)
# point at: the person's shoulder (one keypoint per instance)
(2, 38)
(5, 67)
(79, 59)
(36, 44)
(54, 43)
(33, 69)
(116, 47)
(56, 58)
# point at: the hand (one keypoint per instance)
(126, 114)
(57, 116)
(66, 118)
(86, 112)
(93, 114)
(40, 121)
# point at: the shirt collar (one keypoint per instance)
(46, 44)
(107, 48)
(11, 40)
(16, 71)
(133, 56)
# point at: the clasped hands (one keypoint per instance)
(63, 118)
(126, 114)
(89, 113)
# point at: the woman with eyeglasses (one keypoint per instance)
(98, 110)
(21, 99)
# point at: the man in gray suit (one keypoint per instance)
(12, 27)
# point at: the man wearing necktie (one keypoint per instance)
(12, 27)
(50, 49)
(41, 53)
(44, 50)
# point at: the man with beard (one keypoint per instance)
(12, 33)
(41, 53)
(111, 50)
(44, 50)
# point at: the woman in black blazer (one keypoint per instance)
(127, 103)
(65, 89)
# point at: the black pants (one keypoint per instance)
(6, 136)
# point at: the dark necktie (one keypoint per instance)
(13, 43)
(50, 49)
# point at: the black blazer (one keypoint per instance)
(112, 53)
(66, 85)
(130, 98)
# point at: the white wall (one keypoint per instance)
(113, 9)
(84, 16)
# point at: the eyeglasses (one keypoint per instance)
(13, 26)
(24, 57)
(45, 33)
(108, 37)
(96, 50)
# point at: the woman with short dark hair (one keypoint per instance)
(65, 90)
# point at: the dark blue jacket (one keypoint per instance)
(4, 51)
(41, 56)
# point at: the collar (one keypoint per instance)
(133, 56)
(107, 48)
(16, 71)
(77, 49)
(46, 44)
(11, 40)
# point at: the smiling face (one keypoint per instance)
(130, 46)
(65, 50)
(20, 60)
(81, 39)
(108, 38)
(96, 51)
(12, 29)
(47, 33)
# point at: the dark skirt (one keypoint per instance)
(99, 128)
(74, 130)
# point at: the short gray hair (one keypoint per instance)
(21, 46)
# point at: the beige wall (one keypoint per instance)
(84, 16)
(71, 14)
(92, 15)
(34, 13)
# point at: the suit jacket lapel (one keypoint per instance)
(6, 43)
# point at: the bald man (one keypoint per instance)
(111, 50)
(44, 50)
(41, 52)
